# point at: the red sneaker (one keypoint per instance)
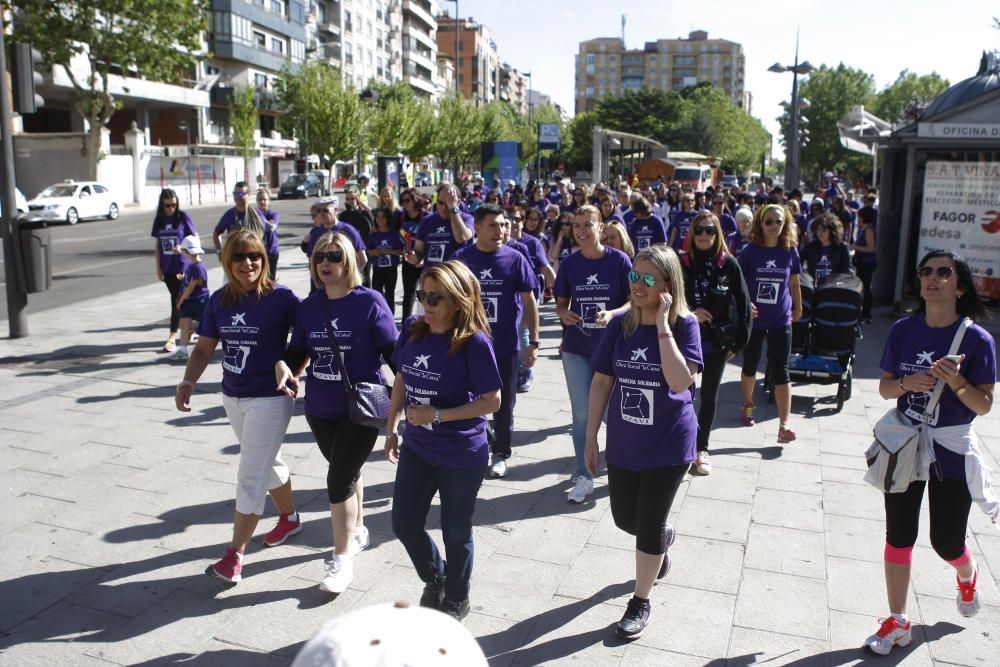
(890, 633)
(284, 529)
(746, 414)
(229, 568)
(969, 602)
(785, 434)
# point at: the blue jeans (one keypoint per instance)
(579, 375)
(522, 372)
(417, 480)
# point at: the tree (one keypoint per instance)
(906, 98)
(832, 92)
(462, 127)
(326, 116)
(579, 153)
(158, 40)
(391, 120)
(425, 129)
(656, 114)
(243, 119)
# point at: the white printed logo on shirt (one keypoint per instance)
(326, 368)
(436, 252)
(767, 291)
(235, 359)
(637, 406)
(491, 305)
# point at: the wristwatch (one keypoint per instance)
(455, 209)
(534, 344)
(437, 417)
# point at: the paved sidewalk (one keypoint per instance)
(114, 503)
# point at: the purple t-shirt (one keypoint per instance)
(233, 219)
(536, 251)
(253, 335)
(168, 235)
(433, 376)
(591, 285)
(647, 232)
(361, 324)
(347, 230)
(502, 276)
(271, 219)
(439, 242)
(649, 425)
(681, 221)
(824, 267)
(196, 271)
(729, 228)
(767, 272)
(390, 240)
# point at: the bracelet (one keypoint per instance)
(901, 384)
(961, 390)
(664, 334)
(185, 383)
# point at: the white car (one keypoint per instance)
(21, 204)
(73, 201)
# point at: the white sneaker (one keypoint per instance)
(339, 574)
(890, 633)
(584, 487)
(702, 465)
(360, 541)
(969, 601)
(499, 467)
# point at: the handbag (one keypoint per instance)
(367, 402)
(893, 456)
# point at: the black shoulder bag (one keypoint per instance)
(367, 402)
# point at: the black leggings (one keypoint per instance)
(949, 512)
(384, 282)
(640, 502)
(272, 266)
(865, 271)
(708, 394)
(173, 284)
(411, 275)
(346, 447)
(779, 346)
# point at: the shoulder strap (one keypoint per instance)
(939, 385)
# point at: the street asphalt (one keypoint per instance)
(114, 503)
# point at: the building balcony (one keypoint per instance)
(420, 83)
(247, 53)
(419, 58)
(329, 28)
(421, 11)
(413, 32)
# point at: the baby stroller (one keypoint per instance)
(801, 329)
(826, 351)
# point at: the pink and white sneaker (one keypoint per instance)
(890, 633)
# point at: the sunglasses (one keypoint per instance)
(430, 298)
(240, 195)
(699, 230)
(171, 206)
(244, 256)
(943, 272)
(332, 256)
(517, 218)
(406, 200)
(321, 210)
(770, 222)
(648, 279)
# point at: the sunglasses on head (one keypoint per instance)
(770, 222)
(332, 256)
(648, 279)
(430, 298)
(244, 256)
(944, 272)
(707, 229)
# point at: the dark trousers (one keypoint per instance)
(779, 346)
(384, 282)
(346, 447)
(417, 480)
(866, 271)
(411, 276)
(272, 266)
(708, 395)
(640, 502)
(949, 513)
(366, 273)
(173, 284)
(503, 419)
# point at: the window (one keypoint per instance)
(378, 10)
(260, 81)
(276, 8)
(348, 53)
(590, 58)
(590, 91)
(260, 39)
(380, 69)
(277, 45)
(100, 189)
(347, 21)
(378, 38)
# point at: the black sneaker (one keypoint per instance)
(635, 619)
(459, 610)
(433, 594)
(669, 535)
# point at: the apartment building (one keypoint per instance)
(605, 68)
(513, 88)
(419, 38)
(477, 65)
(362, 38)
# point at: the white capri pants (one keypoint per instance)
(260, 425)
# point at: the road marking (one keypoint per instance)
(96, 266)
(103, 236)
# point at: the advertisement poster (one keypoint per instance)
(961, 213)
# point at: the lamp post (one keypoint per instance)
(538, 152)
(792, 156)
(457, 29)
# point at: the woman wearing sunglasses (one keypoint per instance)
(826, 254)
(341, 317)
(251, 317)
(170, 226)
(771, 268)
(411, 215)
(645, 364)
(715, 288)
(591, 287)
(914, 360)
(446, 384)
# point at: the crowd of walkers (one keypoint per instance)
(656, 287)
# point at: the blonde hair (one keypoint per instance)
(591, 211)
(789, 236)
(393, 202)
(665, 260)
(243, 240)
(457, 284)
(626, 242)
(351, 272)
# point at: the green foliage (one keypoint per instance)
(579, 130)
(656, 114)
(462, 127)
(160, 39)
(904, 99)
(243, 119)
(326, 116)
(390, 126)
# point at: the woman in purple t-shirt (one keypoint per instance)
(447, 383)
(645, 364)
(170, 226)
(771, 268)
(915, 359)
(251, 317)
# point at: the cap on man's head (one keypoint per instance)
(364, 177)
(333, 201)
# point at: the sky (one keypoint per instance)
(881, 37)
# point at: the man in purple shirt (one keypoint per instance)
(236, 218)
(441, 234)
(507, 283)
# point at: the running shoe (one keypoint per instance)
(635, 620)
(229, 567)
(180, 355)
(457, 610)
(360, 541)
(785, 434)
(339, 574)
(583, 487)
(968, 600)
(746, 414)
(169, 346)
(499, 467)
(284, 529)
(890, 633)
(433, 594)
(702, 465)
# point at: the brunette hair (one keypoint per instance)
(788, 238)
(719, 242)
(832, 224)
(969, 304)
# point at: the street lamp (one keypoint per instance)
(456, 45)
(792, 156)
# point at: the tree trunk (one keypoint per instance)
(93, 148)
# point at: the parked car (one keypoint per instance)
(73, 201)
(21, 204)
(422, 178)
(300, 186)
(728, 181)
(324, 177)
